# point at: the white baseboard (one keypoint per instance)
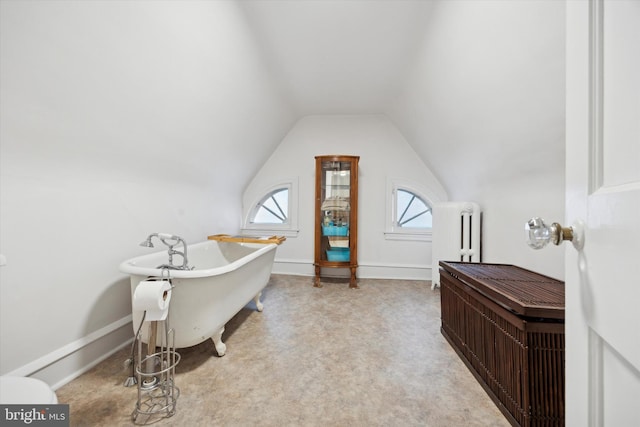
(293, 266)
(72, 360)
(365, 270)
(394, 271)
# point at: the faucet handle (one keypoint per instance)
(167, 236)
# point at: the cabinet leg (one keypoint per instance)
(316, 280)
(353, 282)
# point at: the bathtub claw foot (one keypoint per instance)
(259, 305)
(221, 347)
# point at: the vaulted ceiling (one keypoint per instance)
(463, 80)
(338, 56)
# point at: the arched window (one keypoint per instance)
(409, 215)
(411, 210)
(273, 208)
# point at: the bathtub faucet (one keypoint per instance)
(170, 240)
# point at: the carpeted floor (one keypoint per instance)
(329, 356)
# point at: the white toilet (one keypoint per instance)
(24, 390)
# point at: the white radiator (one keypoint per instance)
(456, 235)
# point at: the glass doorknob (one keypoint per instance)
(540, 234)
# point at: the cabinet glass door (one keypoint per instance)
(335, 210)
(336, 214)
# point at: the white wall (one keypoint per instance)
(483, 106)
(384, 153)
(118, 119)
(506, 208)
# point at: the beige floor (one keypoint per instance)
(330, 356)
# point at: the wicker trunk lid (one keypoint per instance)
(521, 291)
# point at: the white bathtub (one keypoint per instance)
(226, 277)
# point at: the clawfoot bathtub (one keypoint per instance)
(226, 276)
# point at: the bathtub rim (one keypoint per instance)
(129, 266)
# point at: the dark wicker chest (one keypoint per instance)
(507, 325)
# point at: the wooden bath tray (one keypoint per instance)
(247, 239)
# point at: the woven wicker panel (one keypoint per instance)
(519, 363)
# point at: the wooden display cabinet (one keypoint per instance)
(336, 212)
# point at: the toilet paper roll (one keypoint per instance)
(152, 296)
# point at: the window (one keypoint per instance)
(411, 210)
(409, 215)
(273, 209)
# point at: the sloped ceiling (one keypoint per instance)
(464, 80)
(337, 56)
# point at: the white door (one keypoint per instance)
(603, 190)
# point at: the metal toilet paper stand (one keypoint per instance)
(157, 392)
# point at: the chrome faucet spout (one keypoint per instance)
(171, 240)
(182, 253)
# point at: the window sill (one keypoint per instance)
(409, 236)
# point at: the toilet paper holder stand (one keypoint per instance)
(155, 369)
